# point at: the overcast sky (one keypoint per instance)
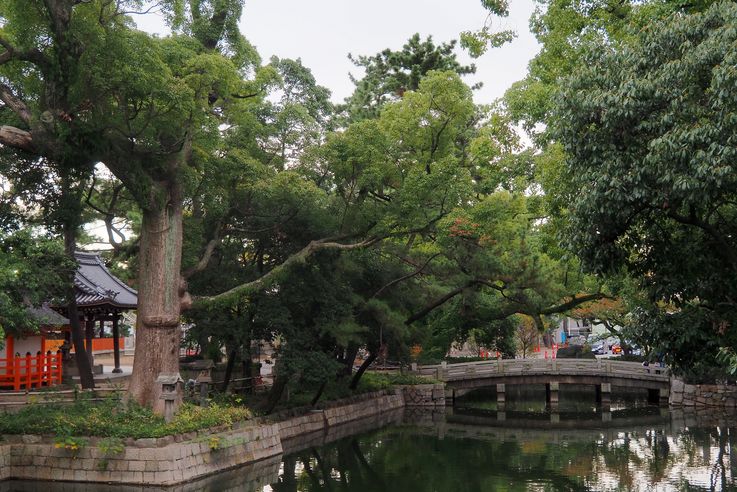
(323, 32)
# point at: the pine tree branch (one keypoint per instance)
(299, 257)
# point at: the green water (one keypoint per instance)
(481, 449)
(647, 452)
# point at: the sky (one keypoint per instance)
(323, 32)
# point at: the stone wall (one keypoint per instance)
(424, 395)
(178, 459)
(702, 395)
(4, 461)
(164, 461)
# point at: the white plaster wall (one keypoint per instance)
(30, 344)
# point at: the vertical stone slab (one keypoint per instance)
(501, 396)
(604, 396)
(551, 394)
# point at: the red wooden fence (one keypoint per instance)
(30, 371)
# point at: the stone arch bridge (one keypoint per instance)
(601, 373)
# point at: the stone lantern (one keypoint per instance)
(171, 390)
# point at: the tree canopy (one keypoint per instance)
(648, 130)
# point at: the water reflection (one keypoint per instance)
(423, 451)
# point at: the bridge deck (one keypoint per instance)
(529, 371)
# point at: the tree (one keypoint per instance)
(389, 74)
(527, 334)
(648, 131)
(83, 87)
(33, 270)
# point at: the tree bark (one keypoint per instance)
(350, 358)
(229, 369)
(280, 382)
(160, 294)
(366, 363)
(84, 368)
(318, 394)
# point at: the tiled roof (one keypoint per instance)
(47, 317)
(95, 285)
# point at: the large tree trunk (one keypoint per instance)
(160, 293)
(232, 353)
(280, 382)
(80, 353)
(366, 363)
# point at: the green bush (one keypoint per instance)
(575, 352)
(109, 418)
(373, 381)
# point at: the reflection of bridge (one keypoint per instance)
(601, 373)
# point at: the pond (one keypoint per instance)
(480, 449)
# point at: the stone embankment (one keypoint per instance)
(702, 395)
(177, 459)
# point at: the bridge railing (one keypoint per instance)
(563, 367)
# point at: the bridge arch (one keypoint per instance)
(601, 373)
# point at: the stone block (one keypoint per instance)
(148, 454)
(132, 477)
(165, 477)
(146, 443)
(31, 439)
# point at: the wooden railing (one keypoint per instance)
(30, 371)
(560, 367)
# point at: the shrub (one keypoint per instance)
(575, 352)
(111, 419)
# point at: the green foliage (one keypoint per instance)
(389, 74)
(575, 352)
(33, 270)
(373, 381)
(648, 130)
(478, 42)
(112, 420)
(70, 443)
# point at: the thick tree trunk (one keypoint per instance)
(280, 382)
(350, 358)
(318, 394)
(366, 363)
(80, 354)
(160, 291)
(229, 369)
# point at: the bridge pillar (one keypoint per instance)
(551, 394)
(604, 396)
(606, 416)
(658, 396)
(501, 396)
(555, 418)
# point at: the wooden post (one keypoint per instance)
(116, 344)
(9, 347)
(28, 371)
(88, 335)
(59, 359)
(16, 373)
(49, 369)
(38, 375)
